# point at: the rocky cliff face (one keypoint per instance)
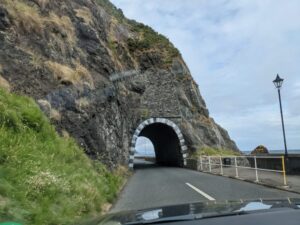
(97, 75)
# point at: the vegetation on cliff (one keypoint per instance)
(145, 39)
(150, 39)
(112, 10)
(45, 178)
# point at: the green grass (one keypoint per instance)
(208, 151)
(44, 178)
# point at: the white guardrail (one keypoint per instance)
(234, 164)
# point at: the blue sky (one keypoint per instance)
(234, 49)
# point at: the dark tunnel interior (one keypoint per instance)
(166, 144)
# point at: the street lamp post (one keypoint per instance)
(278, 83)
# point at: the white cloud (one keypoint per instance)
(234, 49)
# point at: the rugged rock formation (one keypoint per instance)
(260, 150)
(97, 75)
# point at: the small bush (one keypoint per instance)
(135, 44)
(26, 17)
(82, 73)
(37, 61)
(67, 75)
(63, 25)
(85, 14)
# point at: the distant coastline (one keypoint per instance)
(292, 151)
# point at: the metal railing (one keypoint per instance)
(242, 166)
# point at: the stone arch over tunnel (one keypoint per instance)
(167, 139)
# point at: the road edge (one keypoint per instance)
(253, 182)
(121, 190)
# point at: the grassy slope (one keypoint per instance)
(44, 178)
(207, 151)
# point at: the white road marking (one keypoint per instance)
(201, 192)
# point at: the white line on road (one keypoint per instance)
(201, 192)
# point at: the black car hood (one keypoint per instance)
(202, 209)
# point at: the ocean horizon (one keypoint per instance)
(291, 151)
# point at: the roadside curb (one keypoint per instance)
(253, 182)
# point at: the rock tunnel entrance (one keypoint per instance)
(167, 140)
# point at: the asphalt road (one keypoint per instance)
(154, 186)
